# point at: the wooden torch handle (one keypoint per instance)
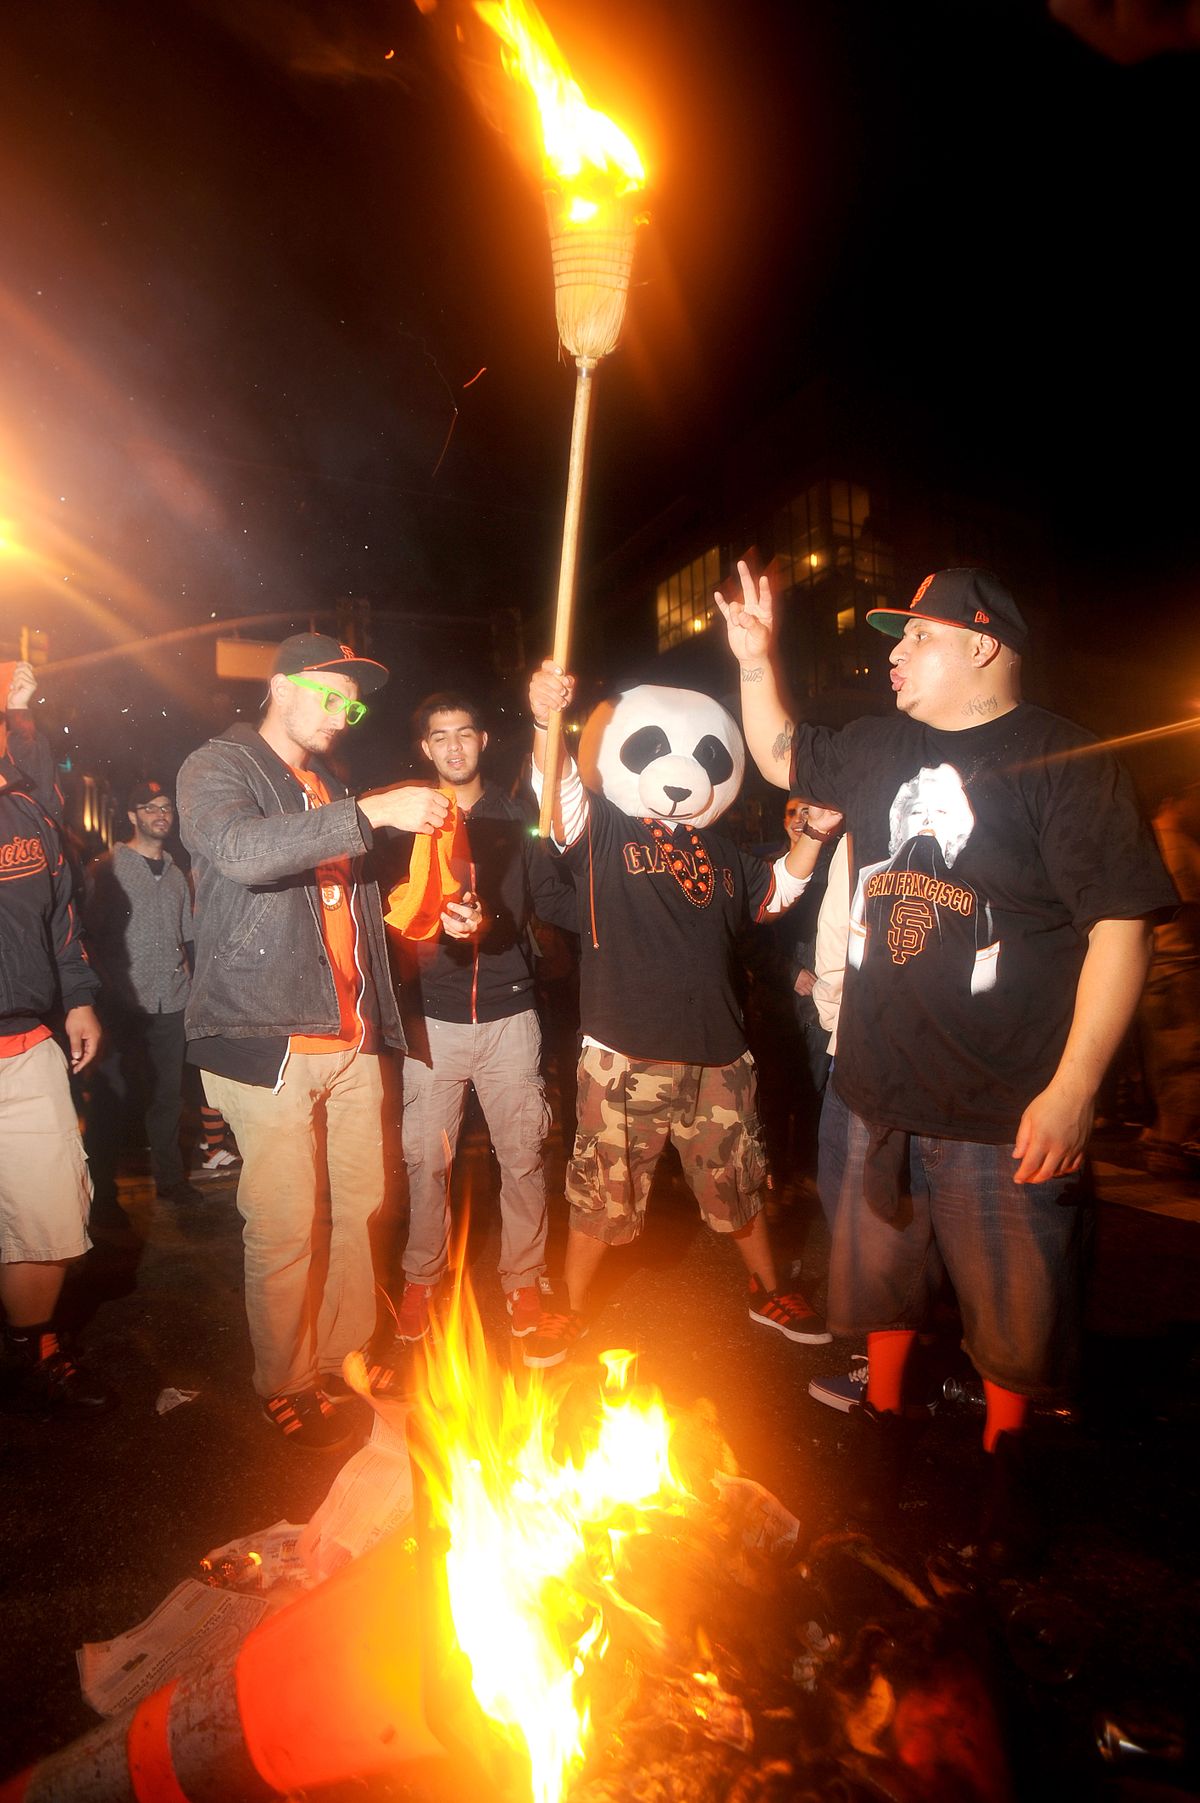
(567, 569)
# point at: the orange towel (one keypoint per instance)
(415, 905)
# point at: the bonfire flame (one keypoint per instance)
(533, 1562)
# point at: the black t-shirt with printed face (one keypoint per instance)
(981, 860)
(668, 905)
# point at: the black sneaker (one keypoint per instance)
(308, 1420)
(554, 1340)
(1013, 1530)
(789, 1314)
(55, 1386)
(181, 1193)
(384, 1379)
(876, 1452)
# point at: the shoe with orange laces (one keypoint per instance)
(307, 1420)
(554, 1340)
(412, 1317)
(789, 1314)
(47, 1382)
(386, 1378)
(525, 1307)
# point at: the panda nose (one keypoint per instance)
(676, 794)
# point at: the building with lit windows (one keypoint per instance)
(845, 524)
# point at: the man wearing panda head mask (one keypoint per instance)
(661, 899)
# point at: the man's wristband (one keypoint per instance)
(810, 832)
(542, 725)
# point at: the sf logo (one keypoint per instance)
(910, 926)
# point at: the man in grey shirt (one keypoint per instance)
(138, 918)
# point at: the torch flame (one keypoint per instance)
(583, 151)
(533, 1564)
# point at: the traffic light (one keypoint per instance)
(354, 623)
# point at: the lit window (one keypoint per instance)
(845, 620)
(684, 605)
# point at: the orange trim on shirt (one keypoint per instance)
(335, 884)
(13, 1044)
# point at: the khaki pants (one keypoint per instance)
(501, 1058)
(307, 1310)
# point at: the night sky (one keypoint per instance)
(249, 264)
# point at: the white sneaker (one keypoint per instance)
(220, 1160)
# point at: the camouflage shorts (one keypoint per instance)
(629, 1108)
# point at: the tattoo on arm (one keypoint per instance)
(781, 750)
(755, 675)
(982, 705)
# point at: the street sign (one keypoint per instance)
(245, 660)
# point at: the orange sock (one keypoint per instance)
(887, 1355)
(1006, 1412)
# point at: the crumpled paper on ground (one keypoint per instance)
(205, 1619)
(372, 1495)
(196, 1626)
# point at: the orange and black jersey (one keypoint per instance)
(658, 979)
(43, 966)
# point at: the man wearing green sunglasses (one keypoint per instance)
(291, 1003)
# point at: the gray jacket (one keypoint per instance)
(137, 926)
(261, 967)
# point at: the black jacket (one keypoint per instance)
(514, 877)
(261, 968)
(42, 963)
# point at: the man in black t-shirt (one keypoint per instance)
(1003, 890)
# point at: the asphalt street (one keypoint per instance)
(99, 1520)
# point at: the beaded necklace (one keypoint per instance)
(697, 883)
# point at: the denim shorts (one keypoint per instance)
(1014, 1253)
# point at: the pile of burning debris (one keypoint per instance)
(594, 1604)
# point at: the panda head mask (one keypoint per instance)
(671, 753)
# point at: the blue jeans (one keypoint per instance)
(831, 1149)
(1014, 1253)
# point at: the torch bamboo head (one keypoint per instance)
(592, 267)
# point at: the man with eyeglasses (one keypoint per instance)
(138, 918)
(291, 1003)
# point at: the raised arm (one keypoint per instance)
(766, 719)
(550, 691)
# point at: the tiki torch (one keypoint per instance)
(595, 192)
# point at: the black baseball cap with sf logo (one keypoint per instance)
(307, 652)
(972, 598)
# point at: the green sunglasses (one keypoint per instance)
(334, 703)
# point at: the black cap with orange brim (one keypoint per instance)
(310, 651)
(974, 599)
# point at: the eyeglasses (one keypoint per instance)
(334, 702)
(156, 807)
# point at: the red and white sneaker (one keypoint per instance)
(412, 1317)
(525, 1307)
(789, 1314)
